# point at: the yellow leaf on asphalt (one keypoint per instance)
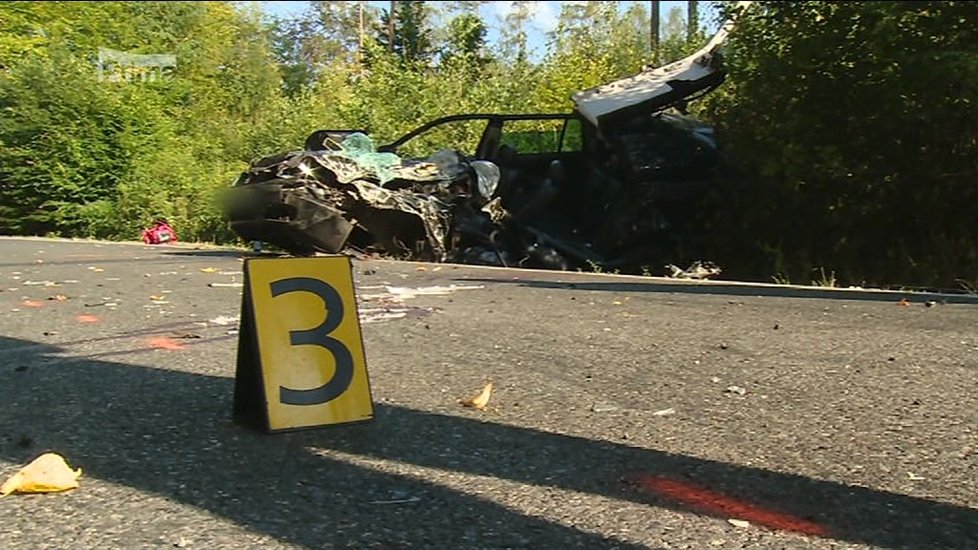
(209, 269)
(48, 473)
(479, 401)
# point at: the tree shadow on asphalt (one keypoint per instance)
(722, 289)
(170, 433)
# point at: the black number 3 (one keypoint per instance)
(318, 336)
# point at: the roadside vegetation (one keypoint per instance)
(850, 128)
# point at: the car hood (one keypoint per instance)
(656, 89)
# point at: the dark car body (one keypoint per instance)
(613, 184)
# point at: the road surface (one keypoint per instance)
(627, 412)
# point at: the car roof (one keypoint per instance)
(657, 88)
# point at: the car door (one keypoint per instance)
(541, 155)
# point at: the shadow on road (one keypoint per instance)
(170, 433)
(722, 289)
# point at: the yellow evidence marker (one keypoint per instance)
(300, 350)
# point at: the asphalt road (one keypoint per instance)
(627, 413)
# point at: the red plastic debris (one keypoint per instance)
(160, 233)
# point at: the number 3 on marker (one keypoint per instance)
(318, 336)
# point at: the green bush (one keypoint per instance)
(66, 141)
(852, 129)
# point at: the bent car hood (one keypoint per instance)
(656, 89)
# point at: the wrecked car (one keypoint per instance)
(612, 185)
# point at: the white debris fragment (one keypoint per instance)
(377, 315)
(224, 320)
(388, 305)
(406, 293)
(698, 270)
(739, 523)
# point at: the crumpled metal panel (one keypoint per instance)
(657, 88)
(355, 182)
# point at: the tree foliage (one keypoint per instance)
(850, 128)
(412, 36)
(466, 39)
(857, 125)
(304, 46)
(81, 156)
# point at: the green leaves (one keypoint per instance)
(849, 116)
(76, 147)
(852, 126)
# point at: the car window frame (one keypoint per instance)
(492, 120)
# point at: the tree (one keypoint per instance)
(853, 126)
(590, 23)
(468, 7)
(655, 28)
(412, 32)
(83, 156)
(592, 44)
(466, 39)
(674, 43)
(692, 20)
(513, 39)
(327, 34)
